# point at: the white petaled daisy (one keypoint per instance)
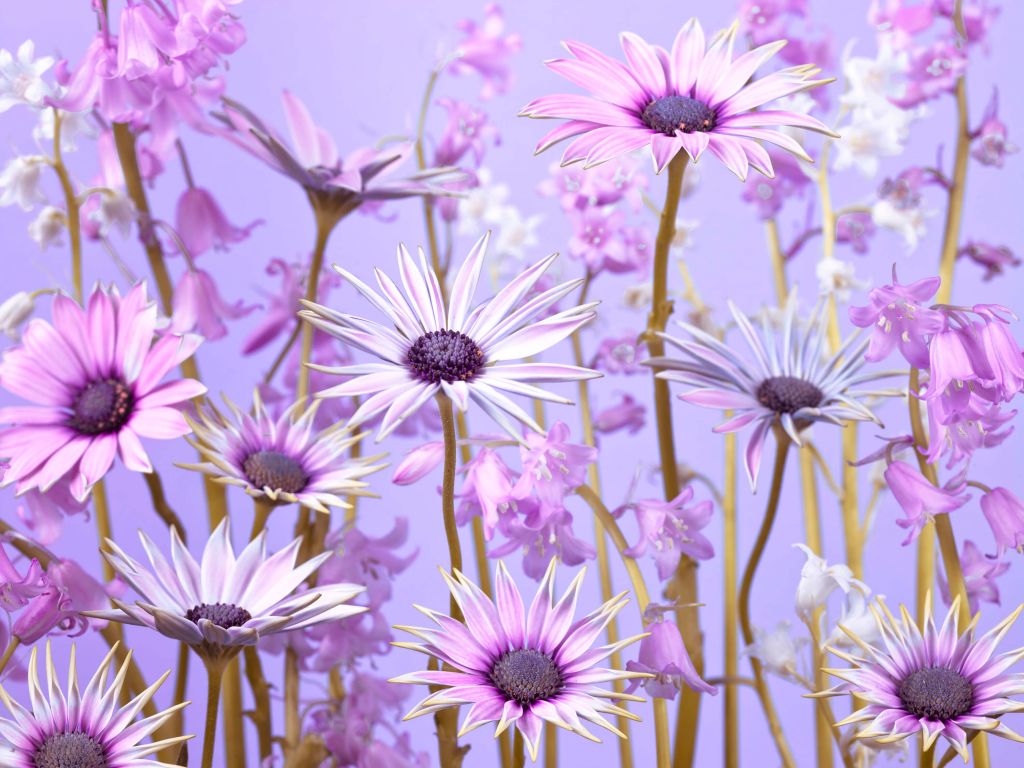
(791, 381)
(84, 729)
(932, 681)
(282, 460)
(223, 603)
(460, 351)
(521, 667)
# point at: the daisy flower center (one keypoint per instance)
(936, 693)
(102, 407)
(444, 356)
(224, 615)
(66, 749)
(678, 113)
(788, 394)
(526, 676)
(272, 469)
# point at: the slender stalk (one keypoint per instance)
(451, 530)
(781, 450)
(102, 510)
(160, 504)
(771, 228)
(550, 746)
(600, 536)
(643, 599)
(957, 190)
(292, 719)
(261, 509)
(518, 750)
(12, 646)
(421, 163)
(261, 714)
(283, 354)
(234, 724)
(927, 757)
(812, 526)
(177, 721)
(324, 226)
(731, 699)
(73, 210)
(215, 672)
(686, 576)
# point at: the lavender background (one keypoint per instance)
(361, 68)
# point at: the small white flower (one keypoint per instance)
(858, 619)
(14, 312)
(47, 227)
(19, 182)
(115, 210)
(683, 237)
(73, 125)
(802, 104)
(21, 79)
(778, 650)
(908, 222)
(870, 135)
(873, 83)
(516, 234)
(818, 580)
(835, 277)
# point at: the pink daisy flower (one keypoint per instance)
(457, 350)
(521, 667)
(94, 376)
(85, 728)
(692, 98)
(936, 682)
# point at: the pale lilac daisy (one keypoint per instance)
(519, 666)
(282, 460)
(224, 602)
(791, 381)
(95, 378)
(82, 728)
(459, 351)
(935, 681)
(692, 98)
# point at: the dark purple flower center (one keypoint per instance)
(224, 615)
(936, 693)
(678, 113)
(788, 394)
(444, 356)
(526, 676)
(101, 407)
(64, 750)
(275, 470)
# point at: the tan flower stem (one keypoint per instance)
(74, 215)
(215, 673)
(261, 509)
(600, 541)
(161, 505)
(283, 354)
(518, 750)
(550, 746)
(421, 163)
(771, 228)
(234, 722)
(12, 646)
(102, 511)
(731, 699)
(685, 587)
(927, 759)
(643, 599)
(261, 714)
(781, 450)
(451, 530)
(292, 718)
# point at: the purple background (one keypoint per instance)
(361, 69)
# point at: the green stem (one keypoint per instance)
(781, 450)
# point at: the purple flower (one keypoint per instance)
(94, 376)
(202, 225)
(933, 71)
(663, 655)
(919, 499)
(671, 528)
(1005, 515)
(855, 229)
(552, 468)
(980, 574)
(519, 667)
(770, 193)
(418, 463)
(553, 539)
(280, 310)
(44, 513)
(596, 239)
(145, 42)
(960, 426)
(487, 490)
(469, 130)
(898, 320)
(627, 414)
(486, 50)
(994, 259)
(620, 354)
(692, 98)
(991, 144)
(766, 20)
(199, 307)
(983, 353)
(16, 589)
(605, 185)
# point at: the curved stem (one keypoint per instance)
(261, 714)
(421, 163)
(214, 671)
(324, 225)
(731, 699)
(102, 509)
(177, 721)
(160, 504)
(957, 190)
(518, 750)
(12, 646)
(283, 354)
(73, 210)
(781, 450)
(451, 530)
(550, 745)
(261, 509)
(292, 719)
